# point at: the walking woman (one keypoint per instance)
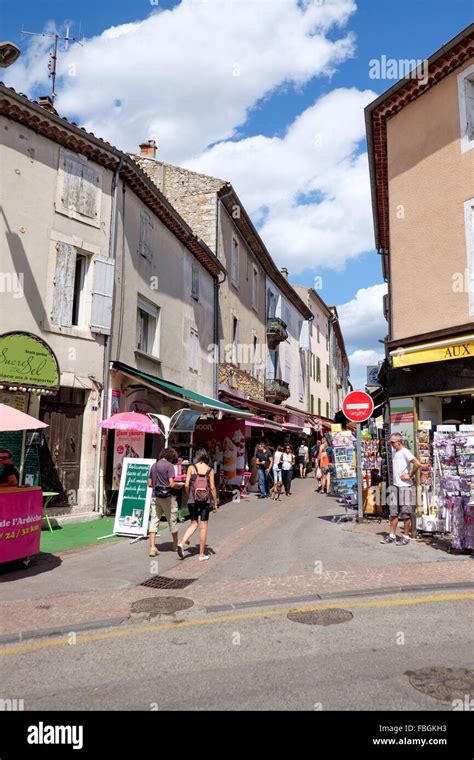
(200, 486)
(277, 464)
(324, 466)
(288, 462)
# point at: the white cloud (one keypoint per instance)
(310, 187)
(362, 320)
(188, 76)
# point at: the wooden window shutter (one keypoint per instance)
(195, 281)
(64, 284)
(102, 293)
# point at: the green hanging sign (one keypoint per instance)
(27, 364)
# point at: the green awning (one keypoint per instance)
(197, 398)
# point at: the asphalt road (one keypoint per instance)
(255, 660)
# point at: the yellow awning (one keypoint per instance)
(441, 351)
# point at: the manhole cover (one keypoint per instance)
(161, 605)
(160, 581)
(321, 617)
(445, 684)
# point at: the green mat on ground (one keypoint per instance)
(78, 535)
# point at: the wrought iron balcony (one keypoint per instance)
(276, 391)
(276, 332)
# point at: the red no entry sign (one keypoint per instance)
(358, 406)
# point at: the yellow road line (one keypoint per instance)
(117, 634)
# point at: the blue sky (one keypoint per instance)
(257, 135)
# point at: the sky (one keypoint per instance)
(268, 94)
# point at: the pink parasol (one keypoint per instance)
(12, 419)
(131, 421)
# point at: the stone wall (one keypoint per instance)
(240, 382)
(193, 195)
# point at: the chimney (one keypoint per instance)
(284, 272)
(46, 102)
(148, 149)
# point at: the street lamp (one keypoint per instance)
(9, 52)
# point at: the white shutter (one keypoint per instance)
(301, 378)
(71, 183)
(254, 288)
(235, 262)
(469, 92)
(101, 316)
(304, 334)
(64, 284)
(88, 195)
(146, 226)
(194, 351)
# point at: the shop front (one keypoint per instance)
(431, 390)
(29, 376)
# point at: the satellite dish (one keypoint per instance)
(9, 52)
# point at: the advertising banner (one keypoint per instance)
(127, 443)
(21, 512)
(27, 361)
(133, 506)
(225, 442)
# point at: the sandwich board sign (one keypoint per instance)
(133, 505)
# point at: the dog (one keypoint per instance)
(275, 491)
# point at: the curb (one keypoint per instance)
(60, 630)
(337, 595)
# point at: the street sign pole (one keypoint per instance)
(360, 506)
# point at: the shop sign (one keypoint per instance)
(184, 421)
(27, 364)
(20, 523)
(225, 442)
(133, 505)
(462, 349)
(424, 425)
(128, 444)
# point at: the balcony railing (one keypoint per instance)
(276, 391)
(276, 332)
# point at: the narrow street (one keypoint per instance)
(235, 646)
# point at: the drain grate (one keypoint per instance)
(445, 684)
(321, 617)
(161, 605)
(161, 581)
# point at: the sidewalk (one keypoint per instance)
(260, 550)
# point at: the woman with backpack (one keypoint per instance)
(200, 486)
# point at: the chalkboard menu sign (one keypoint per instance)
(133, 506)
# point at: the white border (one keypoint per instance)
(465, 143)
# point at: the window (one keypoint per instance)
(271, 303)
(327, 375)
(301, 378)
(318, 333)
(147, 328)
(194, 351)
(235, 340)
(318, 369)
(312, 404)
(255, 288)
(146, 227)
(319, 406)
(466, 107)
(79, 192)
(195, 281)
(234, 273)
(327, 409)
(78, 296)
(69, 286)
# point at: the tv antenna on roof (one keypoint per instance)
(53, 56)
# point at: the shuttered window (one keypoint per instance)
(81, 187)
(318, 369)
(195, 281)
(145, 241)
(234, 275)
(287, 377)
(101, 317)
(64, 279)
(147, 337)
(255, 288)
(194, 351)
(327, 409)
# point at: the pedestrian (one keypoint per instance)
(9, 477)
(163, 500)
(200, 487)
(303, 457)
(264, 464)
(323, 461)
(404, 467)
(277, 464)
(288, 462)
